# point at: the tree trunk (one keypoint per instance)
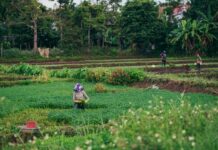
(82, 39)
(61, 34)
(1, 50)
(103, 42)
(35, 42)
(89, 39)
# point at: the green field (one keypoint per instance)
(119, 116)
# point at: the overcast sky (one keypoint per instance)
(51, 4)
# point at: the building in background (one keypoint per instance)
(176, 12)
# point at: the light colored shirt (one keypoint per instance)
(79, 96)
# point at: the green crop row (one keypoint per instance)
(171, 125)
(23, 69)
(115, 76)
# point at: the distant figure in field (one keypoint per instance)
(44, 52)
(79, 97)
(163, 57)
(198, 63)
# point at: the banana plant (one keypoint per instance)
(192, 34)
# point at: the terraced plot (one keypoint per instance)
(116, 113)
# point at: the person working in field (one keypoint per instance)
(79, 97)
(163, 57)
(198, 63)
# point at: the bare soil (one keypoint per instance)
(178, 87)
(182, 69)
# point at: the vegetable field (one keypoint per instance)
(134, 107)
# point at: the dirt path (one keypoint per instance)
(178, 87)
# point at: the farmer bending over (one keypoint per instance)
(79, 97)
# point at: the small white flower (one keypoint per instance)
(193, 144)
(2, 98)
(125, 121)
(139, 138)
(191, 138)
(158, 140)
(156, 135)
(103, 146)
(78, 148)
(46, 137)
(11, 144)
(182, 94)
(89, 148)
(170, 122)
(88, 142)
(34, 138)
(148, 113)
(183, 131)
(55, 133)
(215, 110)
(174, 136)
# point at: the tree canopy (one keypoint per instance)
(136, 27)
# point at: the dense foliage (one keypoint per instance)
(107, 27)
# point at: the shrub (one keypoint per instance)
(97, 75)
(100, 88)
(3, 68)
(43, 77)
(9, 53)
(119, 77)
(25, 69)
(80, 73)
(63, 73)
(17, 53)
(135, 75)
(122, 77)
(56, 52)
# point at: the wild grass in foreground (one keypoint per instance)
(163, 125)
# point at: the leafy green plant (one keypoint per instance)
(25, 69)
(135, 75)
(97, 75)
(63, 73)
(80, 73)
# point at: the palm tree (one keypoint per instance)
(193, 34)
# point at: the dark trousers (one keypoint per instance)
(164, 62)
(198, 67)
(79, 105)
